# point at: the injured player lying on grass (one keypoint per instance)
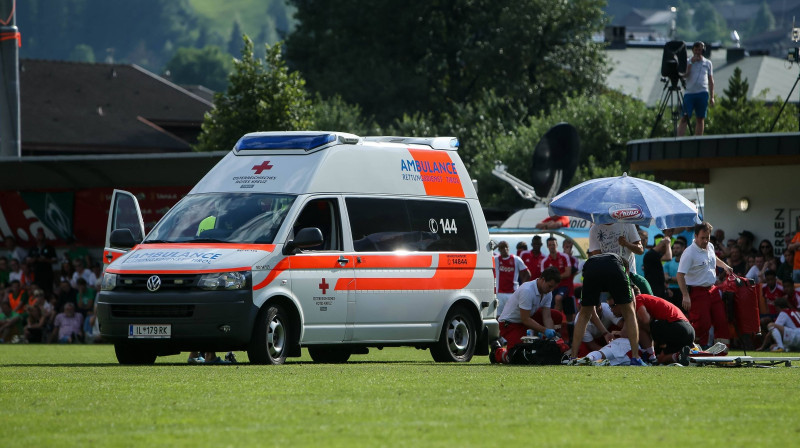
(618, 353)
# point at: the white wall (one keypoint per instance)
(774, 194)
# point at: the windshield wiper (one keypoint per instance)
(205, 240)
(156, 241)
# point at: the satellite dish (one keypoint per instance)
(555, 160)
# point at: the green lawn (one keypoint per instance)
(78, 395)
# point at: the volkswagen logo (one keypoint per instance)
(153, 283)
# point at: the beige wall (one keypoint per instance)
(774, 194)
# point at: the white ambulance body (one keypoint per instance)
(322, 240)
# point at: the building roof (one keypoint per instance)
(82, 108)
(691, 158)
(77, 172)
(762, 73)
(636, 71)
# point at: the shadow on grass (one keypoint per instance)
(289, 363)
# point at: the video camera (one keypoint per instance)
(673, 61)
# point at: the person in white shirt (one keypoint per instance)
(786, 329)
(509, 272)
(528, 308)
(617, 238)
(700, 297)
(81, 271)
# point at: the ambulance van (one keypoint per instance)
(323, 240)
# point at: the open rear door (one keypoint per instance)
(124, 214)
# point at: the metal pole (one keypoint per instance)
(10, 143)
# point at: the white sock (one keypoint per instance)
(595, 356)
(777, 336)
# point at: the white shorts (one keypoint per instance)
(616, 352)
(791, 338)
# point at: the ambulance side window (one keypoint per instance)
(384, 224)
(380, 225)
(324, 215)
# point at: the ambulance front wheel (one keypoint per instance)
(130, 354)
(270, 343)
(458, 338)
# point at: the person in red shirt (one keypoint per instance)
(509, 271)
(553, 222)
(533, 258)
(792, 295)
(570, 307)
(771, 290)
(662, 326)
(560, 262)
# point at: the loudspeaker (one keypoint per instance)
(555, 160)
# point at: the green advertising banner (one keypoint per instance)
(54, 210)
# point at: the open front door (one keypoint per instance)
(124, 214)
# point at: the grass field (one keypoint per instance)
(78, 395)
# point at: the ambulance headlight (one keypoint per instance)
(223, 281)
(109, 282)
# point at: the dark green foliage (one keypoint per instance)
(427, 56)
(235, 41)
(261, 96)
(208, 67)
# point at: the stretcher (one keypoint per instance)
(742, 361)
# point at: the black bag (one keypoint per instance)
(540, 352)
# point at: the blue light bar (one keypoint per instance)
(305, 142)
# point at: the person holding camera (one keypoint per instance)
(699, 90)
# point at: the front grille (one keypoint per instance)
(165, 311)
(172, 282)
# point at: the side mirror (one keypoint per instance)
(306, 237)
(123, 239)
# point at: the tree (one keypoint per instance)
(82, 53)
(709, 23)
(763, 21)
(261, 96)
(683, 22)
(235, 42)
(736, 114)
(430, 55)
(208, 66)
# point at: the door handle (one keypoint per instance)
(342, 261)
(109, 257)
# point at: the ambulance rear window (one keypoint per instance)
(262, 142)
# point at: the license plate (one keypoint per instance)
(149, 331)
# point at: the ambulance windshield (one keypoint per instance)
(250, 218)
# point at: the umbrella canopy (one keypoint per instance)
(628, 200)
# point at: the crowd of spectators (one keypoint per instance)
(772, 271)
(47, 298)
(771, 267)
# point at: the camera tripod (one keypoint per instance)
(784, 105)
(672, 97)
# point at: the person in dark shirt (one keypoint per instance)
(653, 269)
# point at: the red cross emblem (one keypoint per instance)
(324, 286)
(264, 166)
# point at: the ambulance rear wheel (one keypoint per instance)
(270, 343)
(458, 338)
(129, 354)
(329, 355)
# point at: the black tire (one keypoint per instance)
(271, 337)
(458, 337)
(329, 355)
(129, 354)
